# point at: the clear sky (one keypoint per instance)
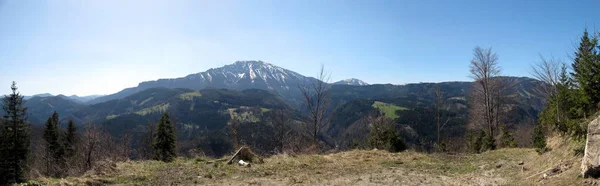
(88, 47)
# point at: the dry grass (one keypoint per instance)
(359, 167)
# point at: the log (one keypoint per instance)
(234, 155)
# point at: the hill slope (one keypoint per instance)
(358, 167)
(40, 108)
(413, 105)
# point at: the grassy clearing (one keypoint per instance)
(189, 95)
(388, 109)
(111, 116)
(359, 167)
(263, 110)
(155, 109)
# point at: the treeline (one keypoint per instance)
(57, 151)
(573, 93)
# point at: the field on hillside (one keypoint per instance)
(358, 167)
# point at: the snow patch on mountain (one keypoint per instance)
(351, 81)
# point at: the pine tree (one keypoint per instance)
(539, 139)
(586, 71)
(14, 139)
(508, 141)
(165, 140)
(54, 148)
(70, 139)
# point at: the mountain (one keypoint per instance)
(75, 98)
(413, 105)
(203, 116)
(203, 104)
(240, 75)
(40, 108)
(199, 115)
(351, 81)
(38, 95)
(83, 99)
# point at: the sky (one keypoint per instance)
(87, 47)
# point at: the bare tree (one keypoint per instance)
(148, 149)
(316, 97)
(126, 143)
(548, 71)
(280, 121)
(485, 93)
(439, 104)
(92, 137)
(234, 124)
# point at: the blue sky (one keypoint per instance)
(100, 47)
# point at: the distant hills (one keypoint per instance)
(82, 99)
(202, 104)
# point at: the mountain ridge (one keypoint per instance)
(237, 76)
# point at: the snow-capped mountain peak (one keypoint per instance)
(351, 81)
(240, 75)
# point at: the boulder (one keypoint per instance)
(590, 165)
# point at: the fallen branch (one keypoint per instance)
(540, 172)
(559, 165)
(234, 155)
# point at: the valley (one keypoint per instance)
(201, 113)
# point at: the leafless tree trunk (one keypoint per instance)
(316, 97)
(485, 70)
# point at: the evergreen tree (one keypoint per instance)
(586, 71)
(14, 139)
(489, 143)
(54, 148)
(539, 139)
(165, 140)
(475, 140)
(383, 134)
(508, 141)
(70, 139)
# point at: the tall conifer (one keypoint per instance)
(165, 140)
(14, 138)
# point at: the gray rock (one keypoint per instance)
(590, 165)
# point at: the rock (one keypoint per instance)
(590, 165)
(243, 163)
(521, 163)
(499, 165)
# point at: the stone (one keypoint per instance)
(498, 165)
(590, 165)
